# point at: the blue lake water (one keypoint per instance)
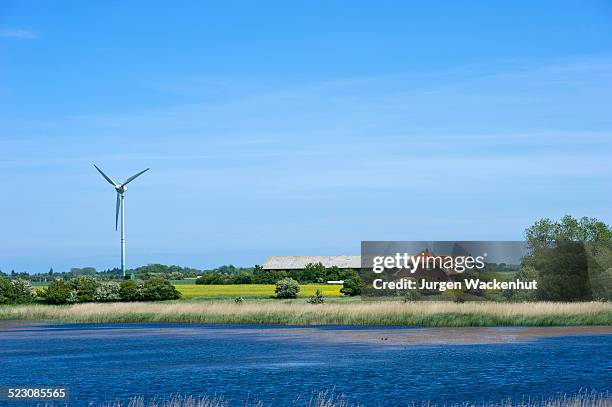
(108, 362)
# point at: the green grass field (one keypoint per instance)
(251, 290)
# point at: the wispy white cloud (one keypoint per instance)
(316, 167)
(17, 33)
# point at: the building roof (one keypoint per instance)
(299, 262)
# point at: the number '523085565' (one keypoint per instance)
(16, 393)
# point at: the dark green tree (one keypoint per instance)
(563, 273)
(262, 276)
(159, 289)
(571, 258)
(6, 291)
(313, 273)
(58, 292)
(131, 290)
(85, 287)
(546, 232)
(352, 286)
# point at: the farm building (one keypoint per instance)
(288, 263)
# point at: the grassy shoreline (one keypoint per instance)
(432, 314)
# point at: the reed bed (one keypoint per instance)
(438, 314)
(329, 399)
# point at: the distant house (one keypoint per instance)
(288, 263)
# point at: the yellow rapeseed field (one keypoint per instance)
(251, 290)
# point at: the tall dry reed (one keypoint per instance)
(297, 313)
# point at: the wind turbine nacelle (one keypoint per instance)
(121, 188)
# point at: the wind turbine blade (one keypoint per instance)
(117, 210)
(133, 177)
(106, 177)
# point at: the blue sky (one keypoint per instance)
(296, 128)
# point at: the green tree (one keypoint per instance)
(22, 291)
(313, 273)
(525, 273)
(85, 271)
(85, 287)
(159, 289)
(212, 278)
(16, 291)
(262, 276)
(352, 285)
(600, 270)
(287, 288)
(131, 290)
(563, 273)
(58, 292)
(571, 258)
(6, 295)
(546, 232)
(243, 278)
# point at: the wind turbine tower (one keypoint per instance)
(121, 189)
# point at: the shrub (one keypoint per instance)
(261, 276)
(460, 299)
(287, 288)
(411, 295)
(108, 291)
(59, 292)
(525, 273)
(5, 291)
(351, 286)
(85, 287)
(317, 298)
(73, 297)
(242, 278)
(313, 273)
(211, 278)
(159, 289)
(130, 290)
(23, 292)
(80, 290)
(17, 291)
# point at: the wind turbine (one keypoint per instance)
(121, 189)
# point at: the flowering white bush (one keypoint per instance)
(287, 288)
(23, 291)
(108, 291)
(73, 297)
(17, 291)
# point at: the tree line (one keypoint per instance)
(86, 289)
(170, 272)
